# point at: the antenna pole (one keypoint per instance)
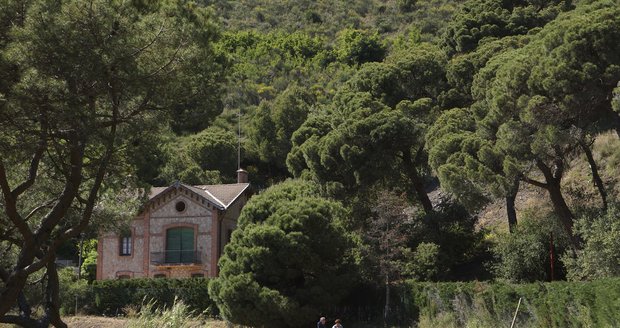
(239, 140)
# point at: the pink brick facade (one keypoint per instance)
(208, 212)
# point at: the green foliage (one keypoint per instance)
(463, 160)
(524, 255)
(289, 259)
(111, 297)
(208, 157)
(358, 47)
(274, 122)
(85, 82)
(414, 73)
(615, 102)
(89, 262)
(449, 238)
(406, 5)
(533, 108)
(557, 304)
(71, 288)
(600, 255)
(460, 70)
(424, 262)
(480, 19)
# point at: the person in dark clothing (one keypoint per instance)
(321, 323)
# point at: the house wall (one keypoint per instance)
(229, 221)
(149, 235)
(197, 216)
(111, 265)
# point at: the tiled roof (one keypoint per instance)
(221, 195)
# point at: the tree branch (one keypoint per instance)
(10, 206)
(34, 167)
(534, 182)
(70, 189)
(148, 45)
(172, 59)
(38, 208)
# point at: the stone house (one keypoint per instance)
(180, 233)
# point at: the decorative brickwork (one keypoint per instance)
(178, 206)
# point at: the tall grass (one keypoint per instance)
(179, 315)
(150, 316)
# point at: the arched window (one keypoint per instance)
(180, 245)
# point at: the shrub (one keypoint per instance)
(111, 297)
(70, 287)
(600, 256)
(556, 304)
(523, 256)
(424, 263)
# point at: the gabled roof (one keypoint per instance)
(221, 195)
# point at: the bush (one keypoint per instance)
(111, 297)
(556, 304)
(424, 262)
(523, 256)
(600, 256)
(70, 287)
(458, 251)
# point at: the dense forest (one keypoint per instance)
(424, 140)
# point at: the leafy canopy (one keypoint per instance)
(289, 259)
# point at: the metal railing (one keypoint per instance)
(175, 257)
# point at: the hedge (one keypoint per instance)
(555, 304)
(111, 297)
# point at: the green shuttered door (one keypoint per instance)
(180, 245)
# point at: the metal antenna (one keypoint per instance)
(239, 140)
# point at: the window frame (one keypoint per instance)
(125, 244)
(168, 258)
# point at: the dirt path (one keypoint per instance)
(109, 322)
(95, 322)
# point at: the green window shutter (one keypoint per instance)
(180, 245)
(187, 245)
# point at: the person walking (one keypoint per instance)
(337, 324)
(321, 323)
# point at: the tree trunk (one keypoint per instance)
(24, 308)
(386, 309)
(53, 297)
(511, 212)
(562, 210)
(595, 176)
(13, 287)
(416, 182)
(553, 186)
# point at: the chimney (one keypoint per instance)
(242, 176)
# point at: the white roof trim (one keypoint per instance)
(237, 196)
(216, 199)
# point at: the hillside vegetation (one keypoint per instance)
(388, 142)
